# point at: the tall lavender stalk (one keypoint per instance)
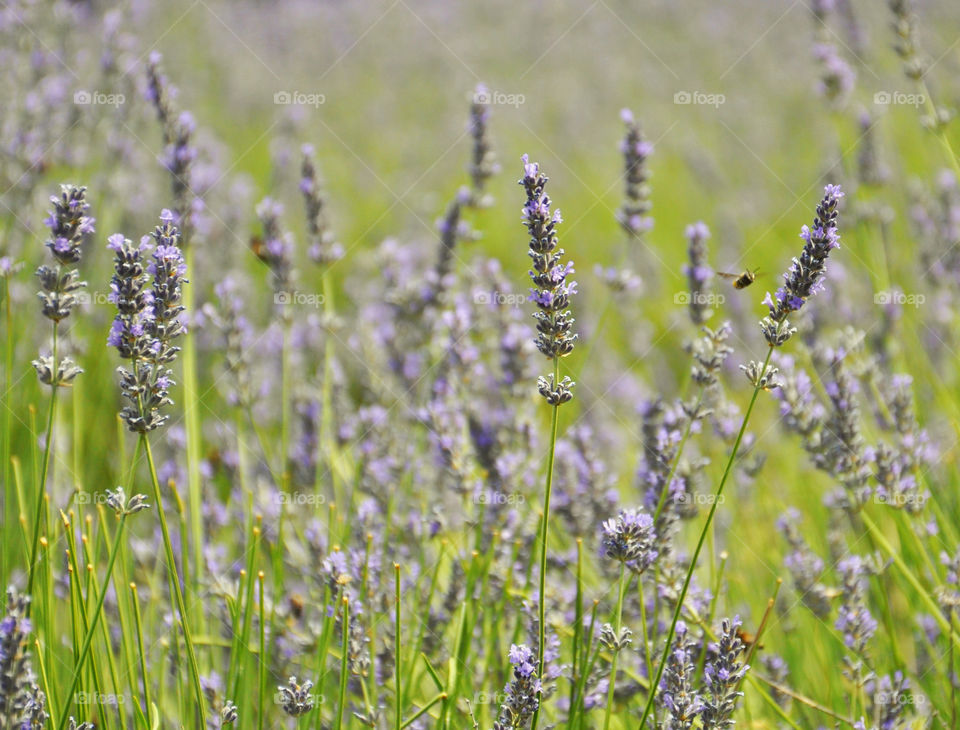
(551, 293)
(69, 223)
(804, 278)
(147, 324)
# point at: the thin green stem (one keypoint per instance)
(174, 579)
(696, 553)
(544, 529)
(344, 652)
(92, 627)
(396, 645)
(45, 466)
(616, 651)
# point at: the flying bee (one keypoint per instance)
(741, 280)
(748, 639)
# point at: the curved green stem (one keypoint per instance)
(544, 525)
(696, 553)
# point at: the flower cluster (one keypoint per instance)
(698, 272)
(147, 321)
(633, 215)
(551, 291)
(722, 676)
(276, 246)
(677, 693)
(22, 704)
(69, 223)
(805, 276)
(521, 693)
(295, 699)
(323, 247)
(629, 538)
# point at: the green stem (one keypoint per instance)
(44, 469)
(92, 627)
(174, 579)
(344, 651)
(396, 646)
(616, 651)
(544, 529)
(696, 553)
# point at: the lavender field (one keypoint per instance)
(313, 417)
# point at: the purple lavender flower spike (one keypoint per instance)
(521, 695)
(634, 213)
(806, 274)
(551, 292)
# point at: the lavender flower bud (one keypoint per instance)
(295, 699)
(322, 248)
(677, 694)
(21, 701)
(552, 291)
(633, 213)
(722, 676)
(521, 695)
(806, 274)
(69, 225)
(629, 538)
(698, 272)
(277, 244)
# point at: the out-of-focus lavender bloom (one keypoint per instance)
(778, 671)
(521, 695)
(483, 162)
(633, 214)
(22, 704)
(805, 566)
(870, 168)
(722, 676)
(629, 538)
(677, 694)
(854, 619)
(552, 291)
(806, 274)
(323, 247)
(276, 246)
(295, 699)
(906, 45)
(837, 78)
(698, 272)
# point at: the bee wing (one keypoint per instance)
(727, 275)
